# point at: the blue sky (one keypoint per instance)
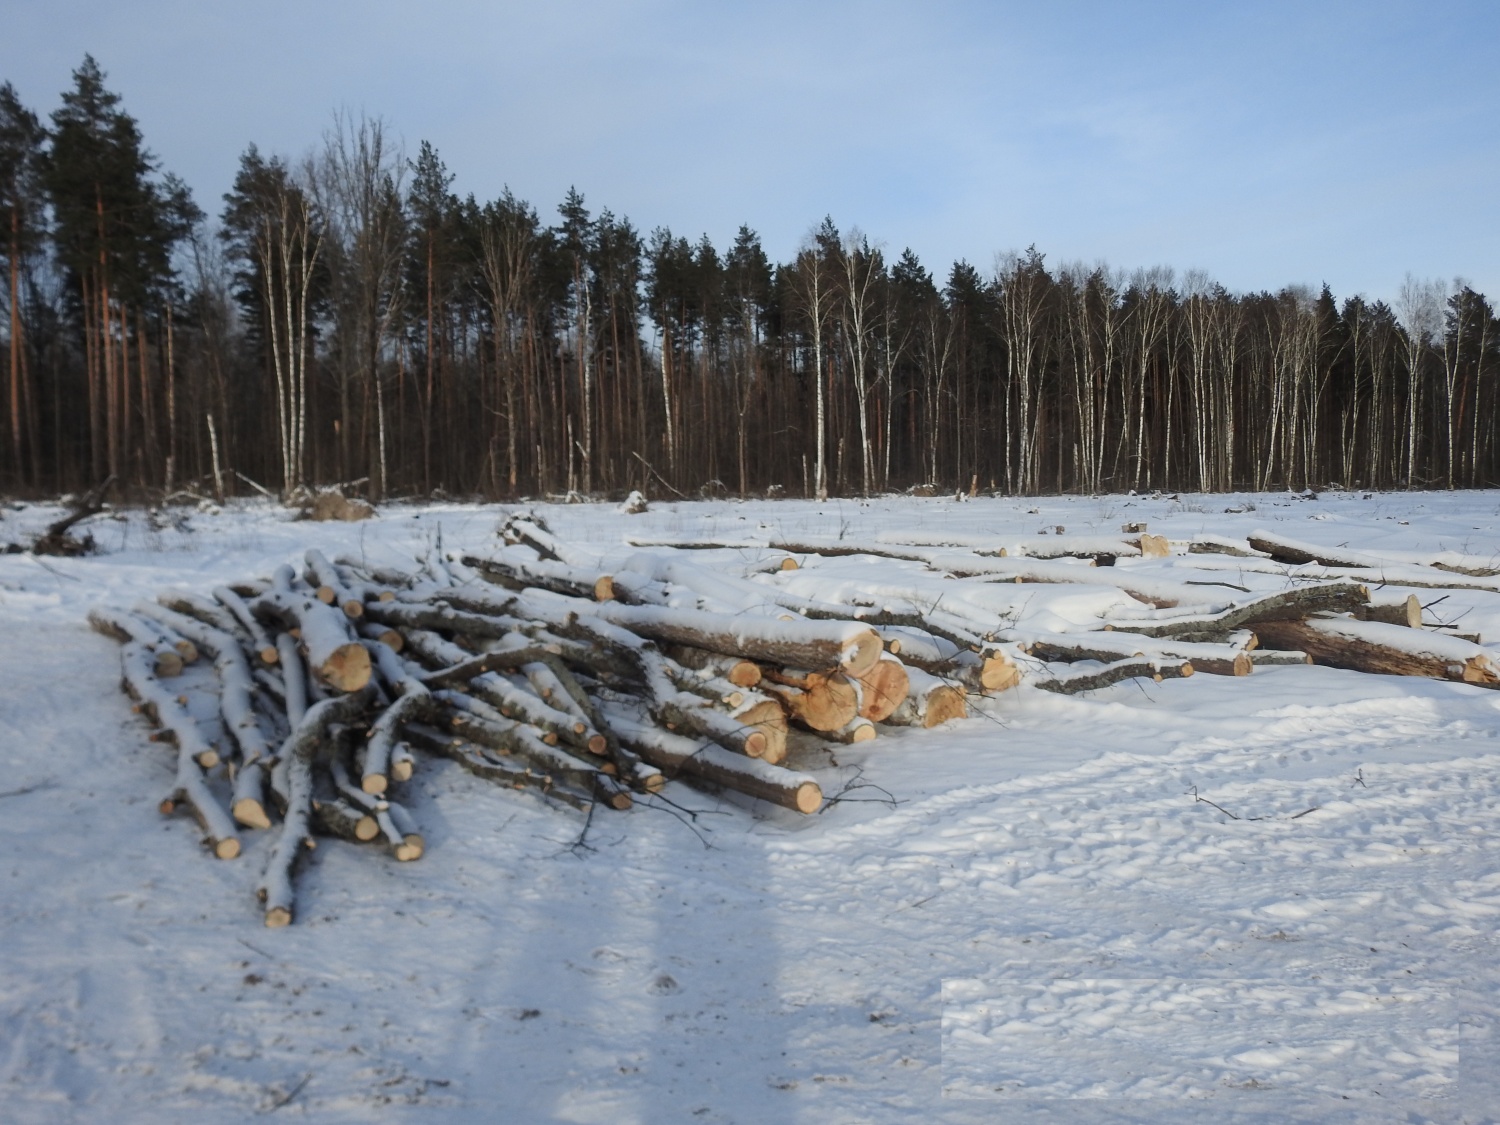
(1267, 143)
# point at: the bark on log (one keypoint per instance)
(190, 789)
(1267, 657)
(329, 585)
(701, 759)
(509, 773)
(1074, 683)
(517, 573)
(1394, 609)
(264, 647)
(1287, 605)
(480, 723)
(1372, 646)
(277, 891)
(739, 672)
(166, 661)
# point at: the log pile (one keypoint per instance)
(594, 681)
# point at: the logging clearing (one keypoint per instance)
(593, 679)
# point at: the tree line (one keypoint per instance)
(347, 318)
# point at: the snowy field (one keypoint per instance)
(1044, 923)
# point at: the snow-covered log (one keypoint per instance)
(1374, 646)
(677, 755)
(166, 661)
(190, 790)
(513, 570)
(335, 655)
(1091, 678)
(276, 890)
(265, 648)
(329, 586)
(1295, 551)
(413, 702)
(237, 711)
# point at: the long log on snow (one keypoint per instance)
(276, 890)
(700, 759)
(166, 661)
(1285, 605)
(1093, 679)
(189, 790)
(1373, 646)
(512, 570)
(236, 710)
(1108, 647)
(1296, 551)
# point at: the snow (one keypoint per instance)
(1262, 899)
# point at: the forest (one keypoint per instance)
(346, 318)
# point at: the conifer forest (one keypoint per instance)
(344, 317)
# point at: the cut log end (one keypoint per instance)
(168, 663)
(744, 673)
(347, 669)
(756, 743)
(366, 829)
(401, 769)
(208, 759)
(861, 652)
(278, 916)
(604, 588)
(354, 609)
(790, 563)
(374, 784)
(268, 654)
(597, 744)
(410, 848)
(809, 797)
(326, 595)
(227, 848)
(251, 813)
(998, 674)
(945, 703)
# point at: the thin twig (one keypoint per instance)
(290, 1094)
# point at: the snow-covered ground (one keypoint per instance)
(1108, 907)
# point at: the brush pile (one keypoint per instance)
(539, 667)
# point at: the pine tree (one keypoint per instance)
(23, 212)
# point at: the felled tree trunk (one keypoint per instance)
(676, 755)
(335, 655)
(190, 789)
(277, 892)
(1372, 646)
